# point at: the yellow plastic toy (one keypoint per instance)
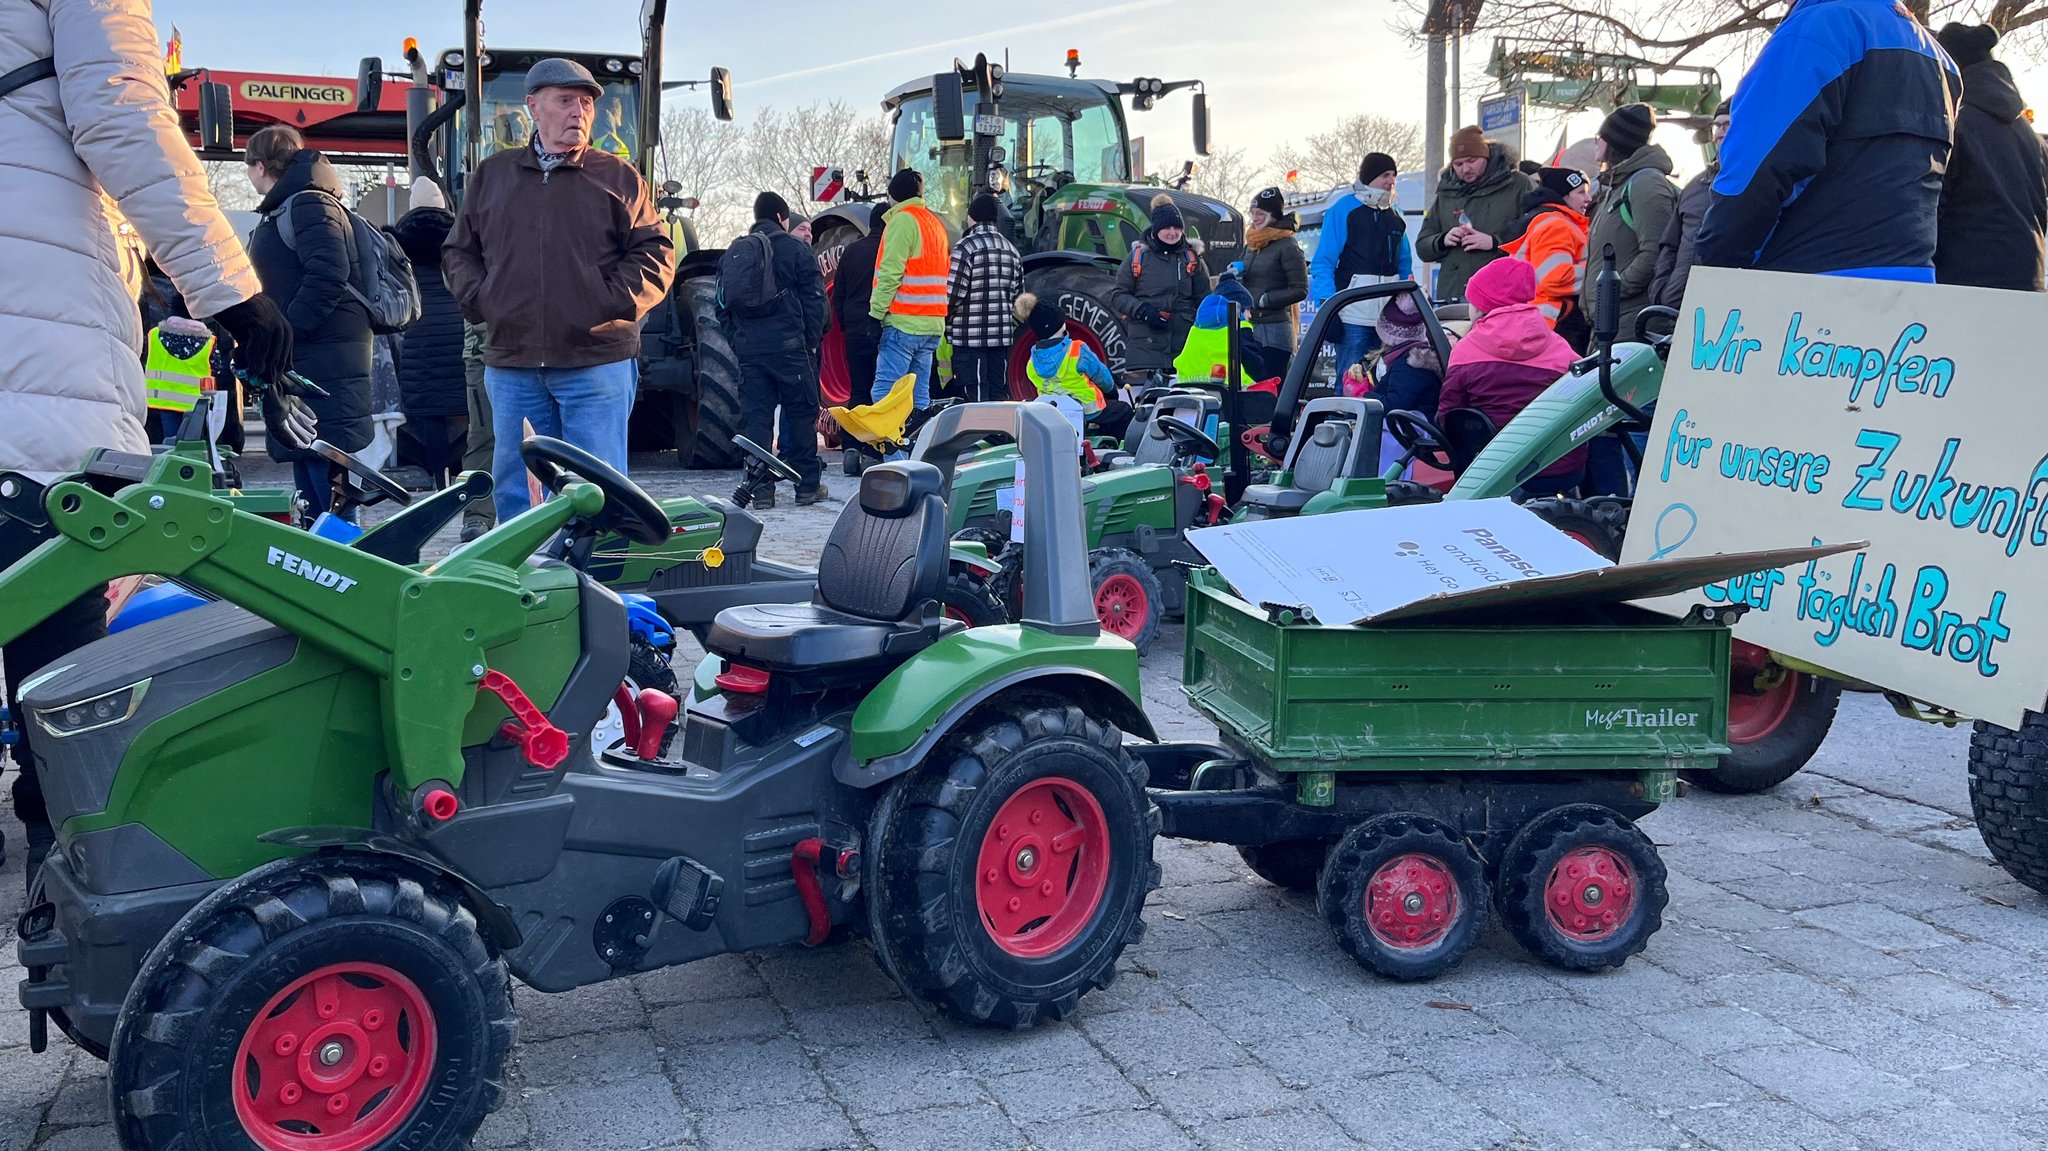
(880, 424)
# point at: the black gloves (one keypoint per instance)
(263, 340)
(1153, 317)
(287, 419)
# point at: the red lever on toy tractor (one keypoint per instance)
(544, 745)
(1213, 505)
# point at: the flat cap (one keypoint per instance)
(555, 72)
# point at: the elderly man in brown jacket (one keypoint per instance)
(91, 160)
(559, 250)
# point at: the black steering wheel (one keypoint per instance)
(628, 509)
(760, 459)
(1657, 313)
(1189, 439)
(376, 484)
(1419, 438)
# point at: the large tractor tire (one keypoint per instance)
(335, 1002)
(2009, 795)
(834, 380)
(1082, 292)
(1010, 870)
(1600, 524)
(707, 417)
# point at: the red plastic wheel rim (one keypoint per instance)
(1581, 537)
(1122, 606)
(1752, 715)
(1412, 902)
(1590, 894)
(337, 1061)
(1043, 868)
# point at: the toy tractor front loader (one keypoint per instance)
(305, 834)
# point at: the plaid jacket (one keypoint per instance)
(987, 276)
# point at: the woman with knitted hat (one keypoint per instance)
(1158, 288)
(1634, 210)
(1994, 200)
(1478, 200)
(1553, 242)
(1275, 272)
(1508, 358)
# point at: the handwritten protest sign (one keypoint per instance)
(1803, 408)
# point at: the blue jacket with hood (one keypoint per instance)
(1358, 240)
(1838, 138)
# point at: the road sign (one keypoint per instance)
(828, 185)
(1502, 117)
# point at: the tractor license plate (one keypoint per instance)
(988, 125)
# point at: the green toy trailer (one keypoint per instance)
(1415, 772)
(306, 834)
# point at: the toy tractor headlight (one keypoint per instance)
(100, 711)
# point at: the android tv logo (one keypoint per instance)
(1405, 549)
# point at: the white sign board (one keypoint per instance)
(1802, 408)
(1352, 566)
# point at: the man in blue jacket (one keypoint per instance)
(1837, 141)
(1364, 241)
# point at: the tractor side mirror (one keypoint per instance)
(369, 84)
(216, 117)
(1201, 123)
(721, 93)
(949, 108)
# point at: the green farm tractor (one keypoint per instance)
(1057, 151)
(307, 833)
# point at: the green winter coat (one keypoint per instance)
(1494, 203)
(1636, 205)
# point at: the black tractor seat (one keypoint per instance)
(1339, 440)
(879, 581)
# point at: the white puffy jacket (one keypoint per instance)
(81, 157)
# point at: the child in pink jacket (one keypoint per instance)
(1508, 358)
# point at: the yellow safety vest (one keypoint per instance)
(173, 384)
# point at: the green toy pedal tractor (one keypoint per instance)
(306, 833)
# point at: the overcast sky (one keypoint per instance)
(1275, 69)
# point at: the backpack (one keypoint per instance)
(746, 277)
(393, 296)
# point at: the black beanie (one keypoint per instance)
(1628, 128)
(984, 209)
(1968, 44)
(1043, 317)
(1529, 167)
(1374, 165)
(1273, 201)
(1166, 214)
(906, 185)
(1560, 180)
(1723, 108)
(769, 206)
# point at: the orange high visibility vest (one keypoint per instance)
(923, 291)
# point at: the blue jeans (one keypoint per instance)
(901, 354)
(1353, 342)
(588, 407)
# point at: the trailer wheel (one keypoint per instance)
(2009, 795)
(1582, 888)
(968, 598)
(1294, 864)
(1011, 870)
(318, 1004)
(709, 417)
(1405, 895)
(1772, 732)
(1129, 599)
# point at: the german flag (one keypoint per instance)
(174, 53)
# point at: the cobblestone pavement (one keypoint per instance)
(1840, 967)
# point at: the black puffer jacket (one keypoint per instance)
(853, 286)
(1994, 203)
(1167, 280)
(430, 379)
(330, 330)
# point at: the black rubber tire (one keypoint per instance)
(1356, 858)
(1595, 524)
(1082, 291)
(969, 598)
(175, 1042)
(1525, 869)
(2009, 795)
(1760, 766)
(707, 422)
(1107, 563)
(1295, 864)
(1402, 493)
(923, 917)
(647, 667)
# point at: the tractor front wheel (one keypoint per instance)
(1777, 719)
(1406, 896)
(1129, 599)
(320, 1004)
(1582, 888)
(968, 598)
(1009, 880)
(2008, 787)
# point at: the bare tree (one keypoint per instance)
(703, 155)
(783, 147)
(1230, 175)
(1704, 31)
(1329, 158)
(228, 180)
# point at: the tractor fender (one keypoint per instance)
(900, 724)
(974, 558)
(499, 928)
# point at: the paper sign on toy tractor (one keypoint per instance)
(1800, 408)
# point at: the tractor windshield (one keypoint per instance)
(507, 123)
(1055, 132)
